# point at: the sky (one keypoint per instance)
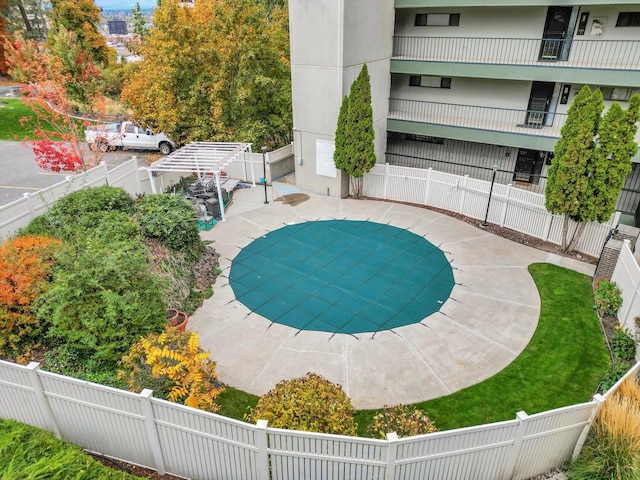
(125, 4)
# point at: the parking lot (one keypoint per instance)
(21, 174)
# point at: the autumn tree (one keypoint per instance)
(58, 81)
(4, 36)
(309, 403)
(355, 151)
(592, 159)
(26, 265)
(81, 17)
(216, 72)
(27, 17)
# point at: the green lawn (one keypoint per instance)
(562, 364)
(235, 403)
(11, 111)
(28, 452)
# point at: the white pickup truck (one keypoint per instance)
(112, 136)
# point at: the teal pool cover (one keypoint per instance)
(342, 276)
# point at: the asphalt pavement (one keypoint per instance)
(20, 174)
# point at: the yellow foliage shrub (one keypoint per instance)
(175, 367)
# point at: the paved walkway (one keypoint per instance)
(487, 322)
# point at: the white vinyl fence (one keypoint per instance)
(168, 437)
(18, 214)
(627, 277)
(510, 207)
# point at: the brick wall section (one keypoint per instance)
(608, 259)
(629, 233)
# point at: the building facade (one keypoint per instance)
(461, 86)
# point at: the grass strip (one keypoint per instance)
(11, 111)
(562, 365)
(235, 403)
(28, 452)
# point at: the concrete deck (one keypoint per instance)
(488, 320)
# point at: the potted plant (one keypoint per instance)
(180, 321)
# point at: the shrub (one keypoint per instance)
(404, 420)
(103, 299)
(618, 368)
(309, 403)
(169, 218)
(26, 265)
(612, 450)
(607, 296)
(175, 367)
(622, 344)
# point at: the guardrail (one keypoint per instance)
(598, 54)
(526, 122)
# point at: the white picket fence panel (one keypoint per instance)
(168, 437)
(510, 207)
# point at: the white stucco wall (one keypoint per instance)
(467, 91)
(330, 41)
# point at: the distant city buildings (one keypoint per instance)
(117, 27)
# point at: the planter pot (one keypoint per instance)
(172, 315)
(180, 321)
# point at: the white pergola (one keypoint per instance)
(202, 159)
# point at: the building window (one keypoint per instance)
(424, 138)
(628, 19)
(429, 81)
(437, 19)
(619, 94)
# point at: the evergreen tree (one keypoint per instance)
(355, 152)
(139, 23)
(339, 154)
(569, 173)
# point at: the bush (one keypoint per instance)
(170, 219)
(622, 344)
(612, 450)
(26, 265)
(103, 299)
(618, 368)
(30, 453)
(607, 296)
(175, 367)
(404, 420)
(309, 403)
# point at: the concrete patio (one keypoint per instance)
(488, 320)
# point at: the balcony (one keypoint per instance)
(489, 119)
(571, 53)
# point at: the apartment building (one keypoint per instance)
(461, 86)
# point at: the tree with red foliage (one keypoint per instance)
(58, 80)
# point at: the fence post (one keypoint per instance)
(465, 180)
(263, 450)
(514, 454)
(106, 171)
(385, 181)
(598, 400)
(150, 428)
(426, 190)
(505, 205)
(41, 398)
(392, 451)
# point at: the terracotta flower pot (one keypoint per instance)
(181, 321)
(172, 315)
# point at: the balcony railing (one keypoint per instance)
(598, 54)
(526, 122)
